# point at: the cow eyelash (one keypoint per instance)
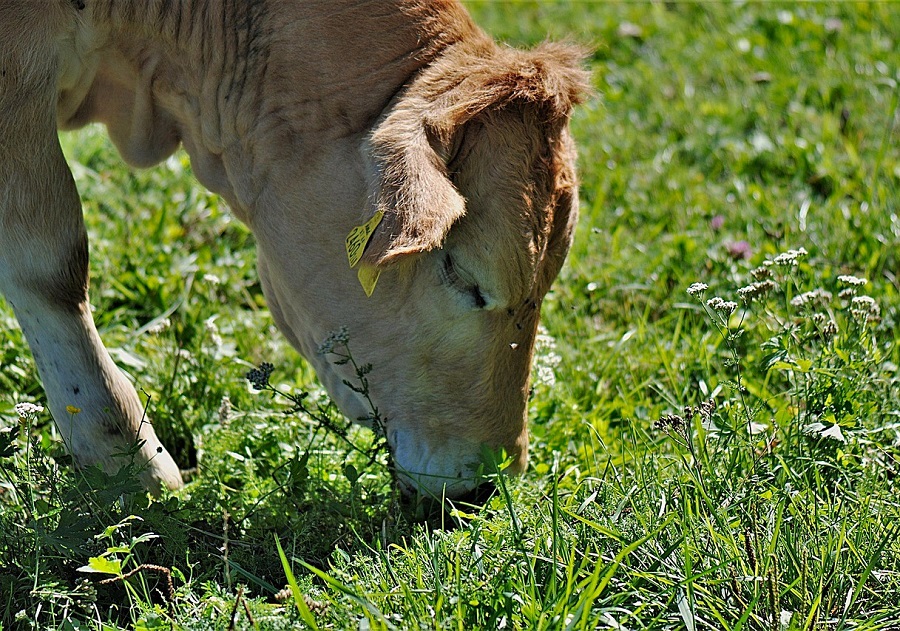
(450, 276)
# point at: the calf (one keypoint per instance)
(445, 158)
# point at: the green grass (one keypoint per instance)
(723, 135)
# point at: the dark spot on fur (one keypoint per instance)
(76, 390)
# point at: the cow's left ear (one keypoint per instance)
(411, 146)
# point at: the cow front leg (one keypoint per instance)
(44, 276)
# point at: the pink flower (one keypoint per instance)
(739, 250)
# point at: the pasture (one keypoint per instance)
(719, 458)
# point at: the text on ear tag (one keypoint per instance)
(359, 237)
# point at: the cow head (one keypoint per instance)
(473, 172)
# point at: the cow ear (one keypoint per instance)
(412, 145)
(409, 185)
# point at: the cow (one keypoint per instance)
(404, 176)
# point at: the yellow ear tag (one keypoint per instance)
(368, 276)
(359, 237)
(357, 241)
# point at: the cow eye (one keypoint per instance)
(477, 297)
(450, 276)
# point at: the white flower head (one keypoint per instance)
(816, 297)
(853, 281)
(697, 288)
(756, 290)
(159, 326)
(546, 358)
(790, 258)
(726, 307)
(28, 410)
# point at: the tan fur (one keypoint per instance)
(308, 117)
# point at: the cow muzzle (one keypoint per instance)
(441, 469)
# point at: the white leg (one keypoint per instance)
(44, 276)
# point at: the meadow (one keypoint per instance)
(716, 410)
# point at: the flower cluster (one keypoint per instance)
(814, 298)
(159, 326)
(697, 288)
(864, 308)
(335, 339)
(756, 289)
(676, 423)
(790, 258)
(259, 377)
(670, 423)
(28, 410)
(546, 359)
(853, 281)
(726, 307)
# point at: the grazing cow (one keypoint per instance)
(311, 118)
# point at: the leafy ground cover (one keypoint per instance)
(715, 416)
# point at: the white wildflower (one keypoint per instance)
(790, 258)
(546, 359)
(213, 331)
(756, 290)
(864, 308)
(159, 326)
(724, 306)
(852, 280)
(697, 289)
(816, 297)
(28, 410)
